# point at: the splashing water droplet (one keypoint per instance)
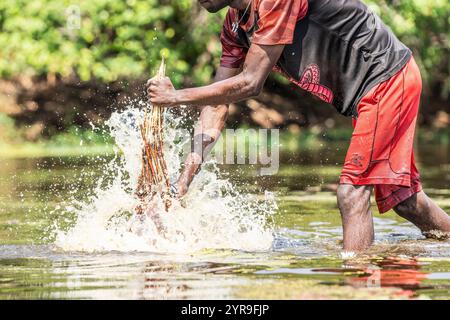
(214, 216)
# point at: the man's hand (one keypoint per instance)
(249, 82)
(259, 62)
(161, 92)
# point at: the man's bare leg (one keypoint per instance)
(424, 213)
(357, 220)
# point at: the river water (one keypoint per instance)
(274, 237)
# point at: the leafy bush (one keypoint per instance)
(423, 25)
(115, 38)
(126, 38)
(8, 132)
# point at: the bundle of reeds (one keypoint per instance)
(153, 178)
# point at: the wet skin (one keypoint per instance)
(357, 220)
(216, 5)
(232, 85)
(305, 255)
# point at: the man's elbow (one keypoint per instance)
(253, 87)
(221, 112)
(256, 90)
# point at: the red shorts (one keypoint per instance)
(381, 148)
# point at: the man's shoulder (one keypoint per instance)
(277, 7)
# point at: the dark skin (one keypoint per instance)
(248, 83)
(357, 221)
(211, 123)
(232, 85)
(215, 5)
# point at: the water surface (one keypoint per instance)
(303, 262)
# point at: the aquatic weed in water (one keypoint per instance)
(214, 213)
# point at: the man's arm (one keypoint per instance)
(258, 63)
(211, 123)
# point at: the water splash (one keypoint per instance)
(213, 215)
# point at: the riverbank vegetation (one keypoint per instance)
(81, 141)
(69, 64)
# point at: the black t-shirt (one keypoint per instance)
(335, 49)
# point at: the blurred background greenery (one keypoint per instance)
(59, 74)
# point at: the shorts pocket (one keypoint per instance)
(359, 153)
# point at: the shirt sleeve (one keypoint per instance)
(233, 52)
(277, 21)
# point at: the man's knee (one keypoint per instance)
(344, 195)
(350, 197)
(411, 206)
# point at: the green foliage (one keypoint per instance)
(8, 132)
(423, 25)
(126, 38)
(115, 39)
(74, 141)
(80, 136)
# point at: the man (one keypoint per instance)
(340, 51)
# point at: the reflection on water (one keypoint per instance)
(398, 272)
(303, 263)
(40, 272)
